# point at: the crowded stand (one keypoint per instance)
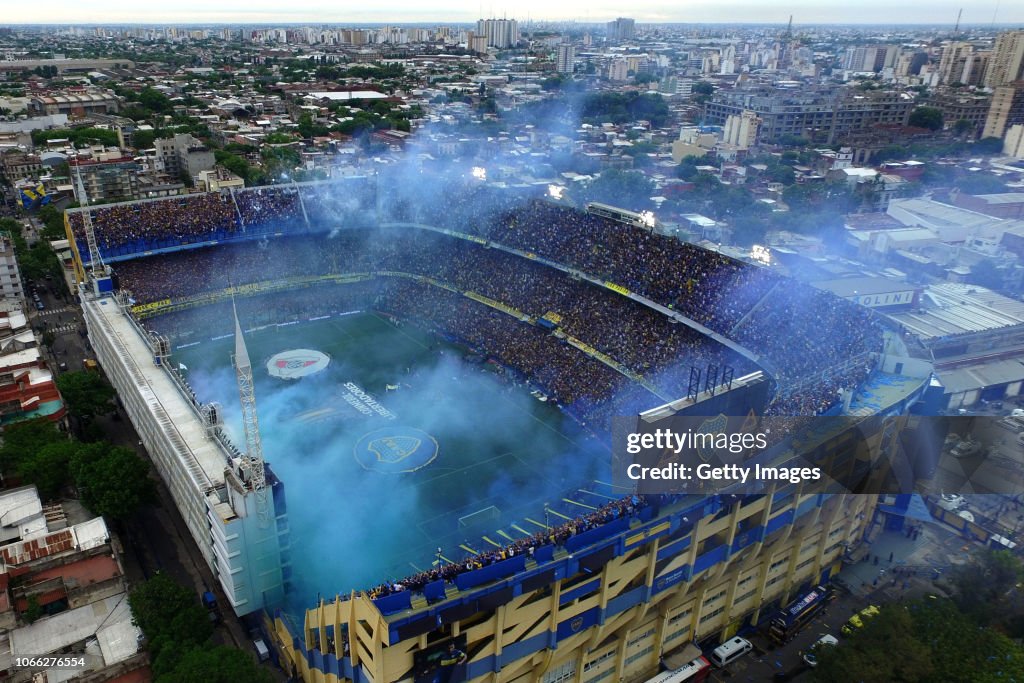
(642, 340)
(407, 272)
(754, 306)
(558, 535)
(584, 387)
(708, 287)
(134, 227)
(268, 206)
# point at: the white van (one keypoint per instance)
(730, 651)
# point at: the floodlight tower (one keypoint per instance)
(96, 266)
(252, 462)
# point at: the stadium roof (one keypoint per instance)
(205, 458)
(982, 375)
(952, 308)
(852, 286)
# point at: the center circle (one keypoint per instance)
(296, 363)
(395, 450)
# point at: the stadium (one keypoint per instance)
(382, 406)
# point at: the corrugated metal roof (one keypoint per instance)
(852, 286)
(1002, 197)
(980, 376)
(953, 308)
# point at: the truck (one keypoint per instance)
(212, 610)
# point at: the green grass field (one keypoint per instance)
(501, 456)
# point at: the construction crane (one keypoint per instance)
(253, 469)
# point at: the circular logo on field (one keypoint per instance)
(297, 363)
(394, 450)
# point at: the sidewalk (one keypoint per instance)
(896, 565)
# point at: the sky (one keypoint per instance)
(878, 12)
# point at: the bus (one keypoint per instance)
(693, 672)
(790, 620)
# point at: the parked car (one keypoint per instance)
(857, 620)
(811, 656)
(952, 502)
(968, 448)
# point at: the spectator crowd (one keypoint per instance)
(801, 331)
(424, 276)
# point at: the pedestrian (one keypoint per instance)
(890, 557)
(876, 560)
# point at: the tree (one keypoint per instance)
(48, 468)
(625, 189)
(33, 610)
(114, 485)
(154, 100)
(24, 440)
(87, 393)
(983, 583)
(961, 126)
(926, 117)
(143, 139)
(890, 632)
(988, 146)
(986, 274)
(925, 641)
(687, 168)
(156, 603)
(702, 91)
(781, 173)
(216, 665)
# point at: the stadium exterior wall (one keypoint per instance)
(698, 571)
(218, 509)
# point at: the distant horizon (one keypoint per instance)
(989, 13)
(428, 23)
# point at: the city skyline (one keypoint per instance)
(804, 12)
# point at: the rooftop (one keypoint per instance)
(110, 620)
(951, 308)
(852, 286)
(179, 419)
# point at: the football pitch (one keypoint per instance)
(401, 445)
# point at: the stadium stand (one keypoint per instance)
(520, 314)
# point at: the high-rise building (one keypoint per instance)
(566, 58)
(822, 114)
(741, 130)
(11, 293)
(618, 70)
(477, 43)
(870, 57)
(1007, 109)
(499, 33)
(1013, 143)
(951, 64)
(1007, 64)
(620, 29)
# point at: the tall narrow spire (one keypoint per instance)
(252, 464)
